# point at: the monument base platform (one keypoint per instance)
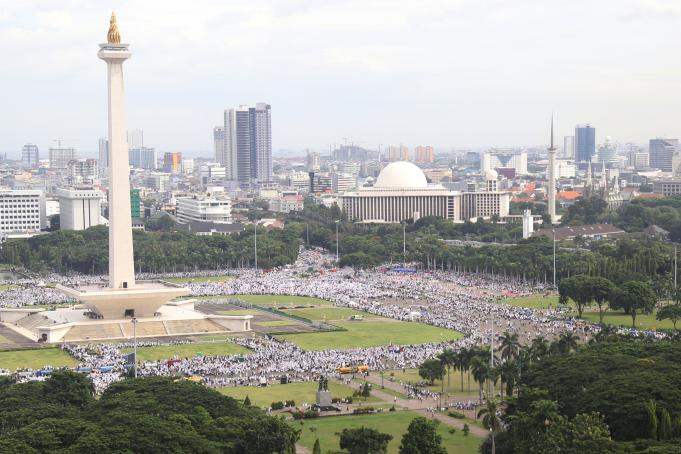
(171, 320)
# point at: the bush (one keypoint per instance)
(466, 429)
(310, 414)
(277, 405)
(290, 403)
(335, 400)
(456, 414)
(392, 408)
(363, 410)
(349, 399)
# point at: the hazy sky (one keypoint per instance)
(453, 73)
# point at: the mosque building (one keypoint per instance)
(402, 192)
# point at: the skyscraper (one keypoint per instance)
(661, 153)
(142, 158)
(585, 142)
(30, 156)
(425, 154)
(219, 144)
(247, 149)
(60, 157)
(103, 153)
(172, 162)
(135, 138)
(569, 147)
(260, 124)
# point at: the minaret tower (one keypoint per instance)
(121, 262)
(551, 176)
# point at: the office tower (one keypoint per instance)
(504, 158)
(661, 152)
(260, 124)
(585, 142)
(569, 147)
(425, 154)
(21, 210)
(607, 153)
(219, 148)
(79, 208)
(238, 139)
(172, 162)
(158, 181)
(30, 156)
(103, 154)
(142, 158)
(83, 171)
(60, 157)
(135, 138)
(187, 166)
(135, 204)
(313, 164)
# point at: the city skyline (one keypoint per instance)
(454, 74)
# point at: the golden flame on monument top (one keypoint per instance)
(114, 36)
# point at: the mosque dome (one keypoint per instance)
(401, 174)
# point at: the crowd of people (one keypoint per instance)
(461, 302)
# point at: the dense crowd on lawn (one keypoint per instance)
(465, 303)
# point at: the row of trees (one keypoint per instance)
(633, 297)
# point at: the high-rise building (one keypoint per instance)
(30, 156)
(135, 204)
(260, 118)
(79, 208)
(172, 162)
(661, 152)
(158, 181)
(142, 158)
(400, 153)
(242, 144)
(83, 171)
(135, 138)
(60, 157)
(343, 182)
(21, 211)
(425, 154)
(187, 166)
(219, 146)
(585, 142)
(313, 164)
(205, 208)
(103, 154)
(504, 158)
(568, 147)
(607, 152)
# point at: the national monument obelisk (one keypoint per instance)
(121, 261)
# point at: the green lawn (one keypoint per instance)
(331, 313)
(35, 358)
(618, 318)
(187, 280)
(162, 352)
(302, 392)
(393, 423)
(277, 323)
(240, 312)
(454, 388)
(371, 334)
(282, 300)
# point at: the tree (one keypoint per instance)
(366, 390)
(510, 346)
(490, 419)
(431, 370)
(670, 312)
(602, 292)
(665, 425)
(247, 401)
(635, 297)
(422, 438)
(364, 441)
(448, 358)
(651, 411)
(316, 449)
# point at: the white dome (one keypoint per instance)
(491, 175)
(401, 174)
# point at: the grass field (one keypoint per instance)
(393, 423)
(303, 392)
(35, 358)
(331, 313)
(186, 280)
(283, 300)
(371, 334)
(162, 352)
(277, 323)
(618, 318)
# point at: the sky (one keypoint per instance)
(448, 73)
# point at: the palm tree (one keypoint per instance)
(490, 419)
(508, 370)
(545, 412)
(567, 342)
(448, 358)
(479, 369)
(539, 348)
(509, 345)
